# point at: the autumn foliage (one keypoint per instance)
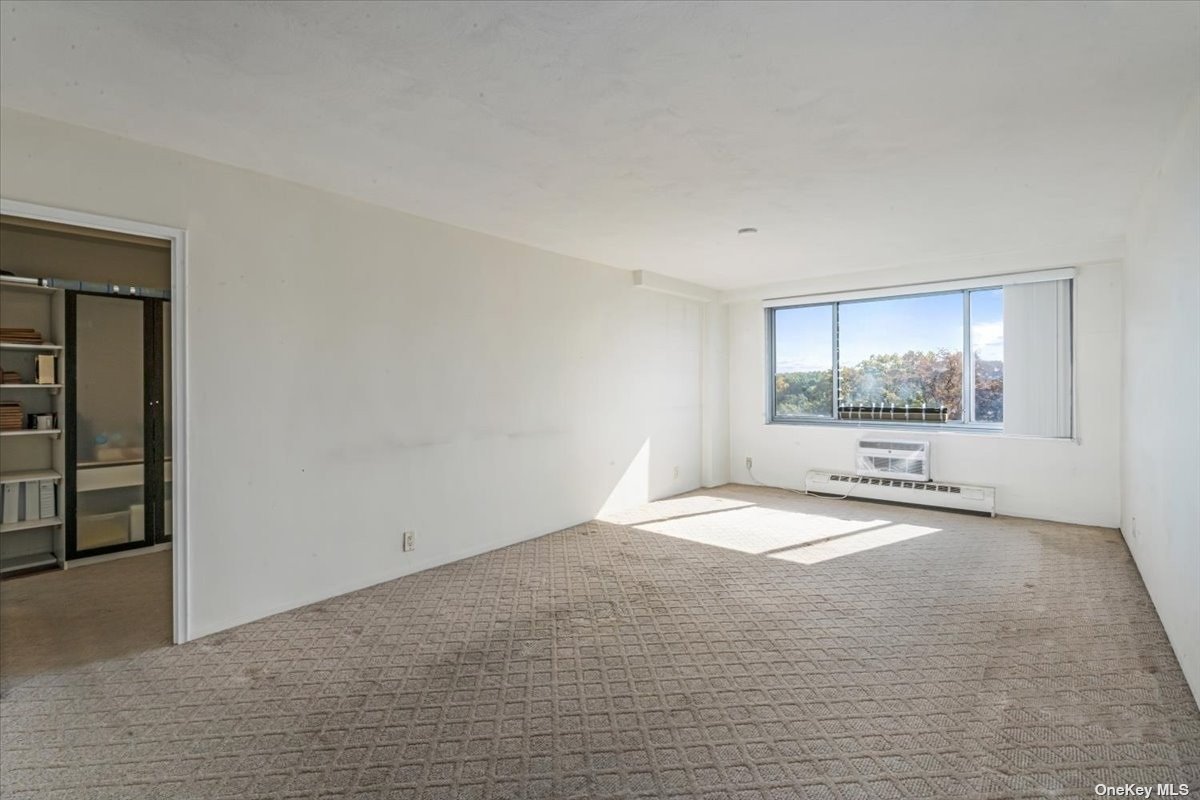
(930, 378)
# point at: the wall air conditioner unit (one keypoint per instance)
(892, 458)
(978, 499)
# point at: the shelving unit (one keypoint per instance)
(20, 476)
(30, 561)
(43, 347)
(31, 524)
(17, 285)
(33, 455)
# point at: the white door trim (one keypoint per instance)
(179, 416)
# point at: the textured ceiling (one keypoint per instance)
(854, 136)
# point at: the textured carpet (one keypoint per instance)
(735, 643)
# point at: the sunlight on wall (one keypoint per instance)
(633, 489)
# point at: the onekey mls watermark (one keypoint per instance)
(1142, 790)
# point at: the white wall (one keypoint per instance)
(1161, 431)
(356, 372)
(714, 437)
(1064, 480)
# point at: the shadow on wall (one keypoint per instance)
(760, 529)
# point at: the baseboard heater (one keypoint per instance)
(979, 499)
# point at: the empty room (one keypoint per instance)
(569, 400)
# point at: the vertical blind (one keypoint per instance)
(1037, 359)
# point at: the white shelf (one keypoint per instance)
(21, 346)
(53, 386)
(27, 562)
(30, 524)
(116, 462)
(29, 475)
(98, 479)
(21, 286)
(30, 432)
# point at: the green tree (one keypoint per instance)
(931, 378)
(989, 390)
(804, 393)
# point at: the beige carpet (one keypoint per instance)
(64, 618)
(737, 643)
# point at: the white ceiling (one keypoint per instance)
(853, 135)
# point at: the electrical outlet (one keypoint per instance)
(1133, 527)
(410, 541)
(676, 473)
(749, 462)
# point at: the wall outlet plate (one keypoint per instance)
(410, 541)
(749, 462)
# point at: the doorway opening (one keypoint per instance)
(91, 563)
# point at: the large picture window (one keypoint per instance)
(966, 357)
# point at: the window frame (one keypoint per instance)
(967, 423)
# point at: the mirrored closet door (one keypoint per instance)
(118, 471)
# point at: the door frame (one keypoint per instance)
(177, 238)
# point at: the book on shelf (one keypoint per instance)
(10, 500)
(33, 503)
(20, 335)
(12, 418)
(45, 369)
(47, 498)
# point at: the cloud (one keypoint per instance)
(987, 339)
(799, 365)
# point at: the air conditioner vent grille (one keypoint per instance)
(909, 446)
(912, 466)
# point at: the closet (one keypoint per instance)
(85, 349)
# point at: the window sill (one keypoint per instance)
(923, 427)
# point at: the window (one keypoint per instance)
(903, 352)
(939, 358)
(804, 362)
(987, 354)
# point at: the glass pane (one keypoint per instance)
(903, 355)
(167, 417)
(804, 362)
(987, 348)
(109, 404)
(166, 325)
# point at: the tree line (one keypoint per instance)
(930, 378)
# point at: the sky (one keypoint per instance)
(871, 327)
